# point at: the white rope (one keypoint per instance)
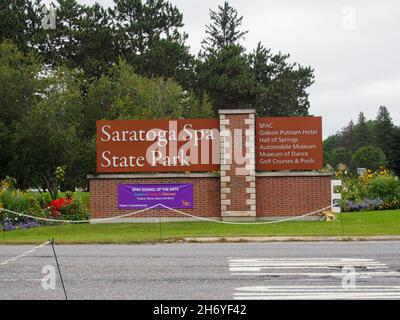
(250, 223)
(24, 254)
(168, 208)
(77, 221)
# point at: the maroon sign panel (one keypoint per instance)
(157, 145)
(289, 143)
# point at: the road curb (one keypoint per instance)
(290, 239)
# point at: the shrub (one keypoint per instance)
(386, 188)
(352, 188)
(14, 200)
(375, 190)
(75, 211)
(369, 157)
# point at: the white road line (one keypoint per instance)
(317, 274)
(316, 292)
(312, 268)
(249, 268)
(300, 259)
(15, 280)
(268, 288)
(260, 267)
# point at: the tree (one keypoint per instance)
(61, 45)
(385, 132)
(226, 76)
(395, 151)
(369, 157)
(47, 136)
(341, 155)
(361, 132)
(332, 142)
(224, 29)
(19, 88)
(123, 94)
(19, 20)
(260, 80)
(347, 136)
(281, 87)
(97, 51)
(149, 38)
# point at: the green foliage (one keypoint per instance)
(148, 36)
(126, 95)
(369, 157)
(341, 156)
(75, 211)
(260, 80)
(362, 133)
(197, 107)
(380, 133)
(227, 77)
(385, 188)
(352, 188)
(14, 200)
(47, 137)
(19, 22)
(375, 190)
(18, 88)
(224, 30)
(281, 86)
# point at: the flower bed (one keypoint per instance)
(37, 205)
(375, 190)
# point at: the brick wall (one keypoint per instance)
(103, 200)
(283, 195)
(292, 195)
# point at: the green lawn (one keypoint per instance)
(364, 223)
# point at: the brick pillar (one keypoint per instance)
(237, 155)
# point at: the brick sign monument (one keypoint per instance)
(237, 167)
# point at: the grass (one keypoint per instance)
(355, 224)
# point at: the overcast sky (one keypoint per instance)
(354, 47)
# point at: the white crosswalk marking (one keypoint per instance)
(316, 293)
(312, 268)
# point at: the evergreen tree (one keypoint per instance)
(281, 87)
(260, 80)
(224, 29)
(20, 22)
(97, 45)
(384, 130)
(347, 136)
(361, 132)
(149, 38)
(227, 77)
(395, 151)
(60, 45)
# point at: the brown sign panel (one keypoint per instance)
(157, 145)
(289, 143)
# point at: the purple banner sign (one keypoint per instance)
(142, 196)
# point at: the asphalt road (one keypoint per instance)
(207, 271)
